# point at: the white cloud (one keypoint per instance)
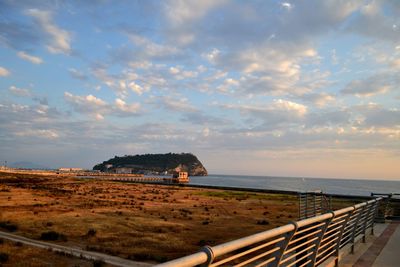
(42, 133)
(121, 105)
(174, 70)
(99, 117)
(4, 72)
(287, 5)
(58, 39)
(19, 91)
(297, 109)
(88, 103)
(30, 58)
(151, 49)
(135, 88)
(124, 82)
(319, 99)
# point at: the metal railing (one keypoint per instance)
(309, 242)
(390, 208)
(312, 204)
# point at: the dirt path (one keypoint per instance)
(116, 261)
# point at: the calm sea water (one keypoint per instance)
(332, 186)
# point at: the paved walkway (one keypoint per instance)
(116, 261)
(381, 250)
(390, 254)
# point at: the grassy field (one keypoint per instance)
(141, 222)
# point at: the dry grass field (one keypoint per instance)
(142, 222)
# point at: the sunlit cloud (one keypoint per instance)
(30, 58)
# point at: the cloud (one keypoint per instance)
(149, 49)
(177, 104)
(287, 5)
(98, 108)
(374, 115)
(78, 74)
(19, 91)
(182, 15)
(30, 58)
(319, 99)
(373, 21)
(59, 40)
(280, 114)
(123, 82)
(376, 84)
(125, 108)
(43, 133)
(17, 35)
(87, 103)
(4, 72)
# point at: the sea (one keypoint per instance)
(331, 186)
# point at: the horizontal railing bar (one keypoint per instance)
(327, 238)
(291, 256)
(188, 261)
(248, 251)
(246, 241)
(325, 257)
(308, 229)
(294, 241)
(306, 263)
(302, 258)
(264, 263)
(302, 244)
(333, 230)
(318, 218)
(258, 257)
(321, 248)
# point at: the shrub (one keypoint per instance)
(91, 232)
(98, 263)
(263, 222)
(52, 236)
(3, 257)
(8, 226)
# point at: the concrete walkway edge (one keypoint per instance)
(89, 255)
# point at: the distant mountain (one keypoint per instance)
(155, 164)
(27, 165)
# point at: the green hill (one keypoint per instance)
(155, 164)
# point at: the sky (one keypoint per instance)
(279, 88)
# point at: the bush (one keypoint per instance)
(8, 226)
(53, 236)
(3, 257)
(263, 222)
(98, 263)
(91, 232)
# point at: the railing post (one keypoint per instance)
(318, 241)
(283, 246)
(353, 234)
(369, 207)
(341, 235)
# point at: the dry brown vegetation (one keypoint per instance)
(141, 222)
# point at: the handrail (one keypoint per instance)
(309, 242)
